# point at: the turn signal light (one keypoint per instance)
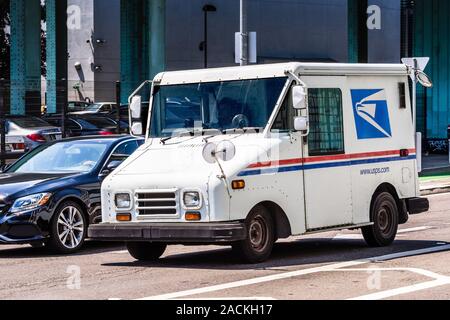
(123, 217)
(238, 184)
(193, 216)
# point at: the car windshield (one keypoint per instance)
(74, 106)
(94, 107)
(30, 122)
(64, 157)
(218, 105)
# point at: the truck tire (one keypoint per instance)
(385, 217)
(146, 251)
(258, 245)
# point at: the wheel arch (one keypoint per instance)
(401, 205)
(81, 203)
(280, 219)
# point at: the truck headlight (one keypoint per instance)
(123, 201)
(30, 202)
(192, 199)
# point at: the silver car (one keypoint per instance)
(24, 133)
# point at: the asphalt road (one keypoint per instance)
(334, 265)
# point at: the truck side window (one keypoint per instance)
(326, 122)
(284, 122)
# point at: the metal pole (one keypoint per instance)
(118, 106)
(417, 136)
(205, 40)
(2, 124)
(244, 33)
(64, 107)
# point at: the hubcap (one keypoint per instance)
(385, 220)
(70, 227)
(258, 233)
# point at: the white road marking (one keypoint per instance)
(293, 274)
(415, 229)
(354, 236)
(404, 290)
(233, 298)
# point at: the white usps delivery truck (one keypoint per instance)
(244, 156)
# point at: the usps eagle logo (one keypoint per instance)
(371, 112)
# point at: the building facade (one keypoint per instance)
(132, 40)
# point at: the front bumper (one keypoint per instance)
(170, 232)
(20, 233)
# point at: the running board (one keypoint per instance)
(337, 228)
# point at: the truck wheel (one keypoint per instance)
(385, 218)
(146, 251)
(68, 229)
(260, 237)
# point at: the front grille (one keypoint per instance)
(156, 203)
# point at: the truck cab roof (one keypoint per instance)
(278, 70)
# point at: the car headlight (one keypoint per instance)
(192, 200)
(30, 202)
(123, 201)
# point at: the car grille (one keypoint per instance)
(157, 203)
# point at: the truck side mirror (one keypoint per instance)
(299, 96)
(136, 107)
(136, 129)
(301, 124)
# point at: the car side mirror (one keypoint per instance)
(299, 96)
(113, 165)
(301, 124)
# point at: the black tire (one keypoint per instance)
(260, 237)
(384, 215)
(61, 240)
(146, 251)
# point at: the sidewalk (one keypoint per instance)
(435, 177)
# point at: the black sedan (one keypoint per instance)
(88, 125)
(52, 194)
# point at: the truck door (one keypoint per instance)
(327, 175)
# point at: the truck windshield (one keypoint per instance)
(223, 106)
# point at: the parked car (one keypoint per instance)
(97, 108)
(124, 114)
(77, 106)
(24, 133)
(88, 125)
(52, 194)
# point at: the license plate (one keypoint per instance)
(58, 136)
(8, 148)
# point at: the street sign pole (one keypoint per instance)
(244, 33)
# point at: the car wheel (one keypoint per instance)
(146, 251)
(385, 221)
(69, 228)
(258, 245)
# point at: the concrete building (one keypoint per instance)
(131, 40)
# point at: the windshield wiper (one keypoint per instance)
(192, 133)
(242, 130)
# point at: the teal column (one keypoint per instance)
(352, 22)
(133, 46)
(25, 56)
(357, 31)
(157, 32)
(142, 43)
(56, 55)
